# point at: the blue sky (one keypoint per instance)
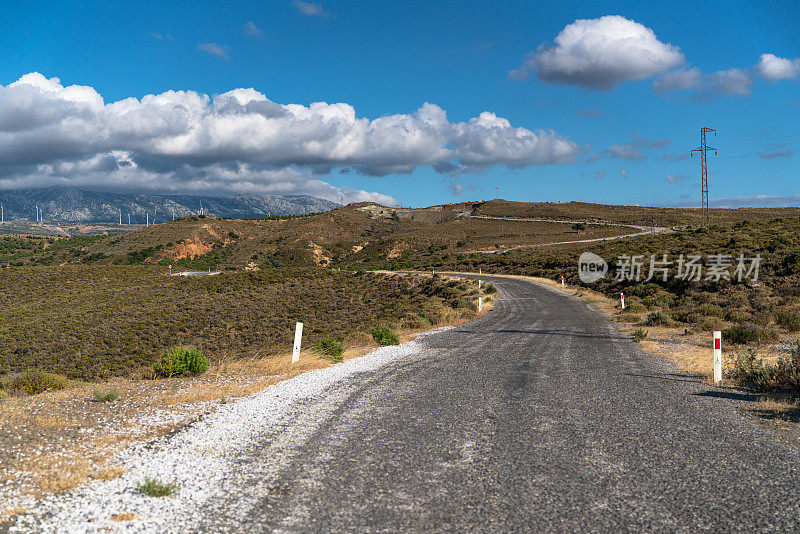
(619, 132)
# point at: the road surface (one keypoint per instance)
(640, 230)
(538, 417)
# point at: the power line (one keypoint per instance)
(760, 152)
(761, 138)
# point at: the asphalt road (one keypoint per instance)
(538, 417)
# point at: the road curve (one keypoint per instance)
(641, 230)
(539, 416)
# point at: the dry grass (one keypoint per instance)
(7, 515)
(123, 516)
(109, 473)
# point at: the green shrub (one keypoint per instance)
(154, 488)
(106, 396)
(639, 334)
(634, 307)
(33, 382)
(789, 320)
(749, 333)
(490, 289)
(383, 335)
(181, 361)
(658, 318)
(330, 347)
(783, 375)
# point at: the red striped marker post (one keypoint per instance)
(622, 300)
(717, 357)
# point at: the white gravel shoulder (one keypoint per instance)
(197, 459)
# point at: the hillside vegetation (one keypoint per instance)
(761, 311)
(86, 322)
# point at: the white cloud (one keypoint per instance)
(732, 81)
(723, 82)
(250, 28)
(600, 53)
(632, 150)
(624, 173)
(675, 178)
(773, 68)
(309, 8)
(239, 141)
(214, 49)
(689, 78)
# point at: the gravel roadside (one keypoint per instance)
(197, 459)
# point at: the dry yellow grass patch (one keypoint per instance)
(57, 475)
(109, 473)
(7, 515)
(123, 516)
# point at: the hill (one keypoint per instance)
(63, 204)
(641, 215)
(363, 234)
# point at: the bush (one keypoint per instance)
(490, 289)
(330, 347)
(639, 334)
(383, 335)
(658, 318)
(634, 307)
(748, 333)
(181, 361)
(153, 488)
(106, 396)
(33, 382)
(783, 375)
(789, 320)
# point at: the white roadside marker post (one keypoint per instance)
(562, 282)
(170, 269)
(298, 337)
(480, 304)
(717, 357)
(622, 300)
(479, 284)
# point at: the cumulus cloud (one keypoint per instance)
(240, 141)
(723, 82)
(733, 81)
(600, 53)
(250, 28)
(772, 68)
(214, 49)
(309, 8)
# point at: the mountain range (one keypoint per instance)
(62, 204)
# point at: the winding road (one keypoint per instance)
(538, 417)
(640, 230)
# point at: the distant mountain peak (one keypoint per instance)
(71, 204)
